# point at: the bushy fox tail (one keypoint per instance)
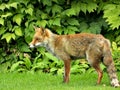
(108, 62)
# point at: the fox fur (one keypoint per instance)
(94, 47)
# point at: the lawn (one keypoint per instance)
(41, 81)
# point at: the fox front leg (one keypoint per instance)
(67, 70)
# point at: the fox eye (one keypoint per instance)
(38, 39)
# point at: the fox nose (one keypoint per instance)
(31, 45)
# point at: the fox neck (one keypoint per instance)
(51, 43)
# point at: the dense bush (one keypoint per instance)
(17, 18)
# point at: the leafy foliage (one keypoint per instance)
(116, 55)
(62, 17)
(112, 13)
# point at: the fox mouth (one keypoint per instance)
(31, 46)
(36, 45)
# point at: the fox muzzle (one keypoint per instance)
(31, 45)
(35, 45)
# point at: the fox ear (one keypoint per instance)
(35, 27)
(47, 32)
(43, 30)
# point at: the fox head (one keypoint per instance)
(40, 37)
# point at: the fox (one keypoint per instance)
(94, 47)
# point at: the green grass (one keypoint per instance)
(41, 81)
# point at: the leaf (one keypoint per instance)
(73, 21)
(47, 2)
(56, 9)
(60, 71)
(50, 56)
(27, 63)
(42, 23)
(17, 30)
(15, 66)
(74, 68)
(66, 31)
(112, 15)
(2, 6)
(14, 5)
(117, 39)
(76, 6)
(18, 18)
(6, 15)
(114, 46)
(70, 30)
(109, 7)
(83, 26)
(95, 28)
(9, 5)
(48, 9)
(70, 12)
(73, 28)
(91, 6)
(102, 66)
(53, 69)
(29, 11)
(1, 21)
(50, 22)
(41, 65)
(44, 15)
(13, 36)
(56, 1)
(83, 65)
(22, 46)
(8, 36)
(56, 22)
(2, 30)
(83, 7)
(59, 30)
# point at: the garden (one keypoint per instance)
(22, 68)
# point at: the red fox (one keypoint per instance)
(94, 47)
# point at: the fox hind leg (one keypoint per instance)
(99, 71)
(108, 62)
(96, 66)
(94, 61)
